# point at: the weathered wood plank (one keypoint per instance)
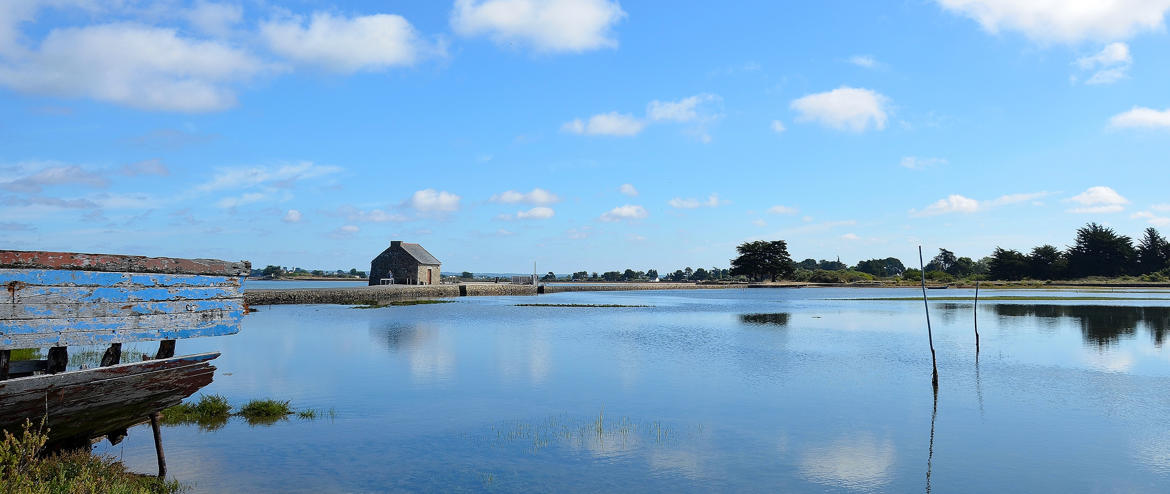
(60, 277)
(33, 294)
(93, 402)
(120, 263)
(20, 367)
(5, 356)
(104, 331)
(114, 309)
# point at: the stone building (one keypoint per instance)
(404, 264)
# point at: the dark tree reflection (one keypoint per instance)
(1102, 325)
(775, 319)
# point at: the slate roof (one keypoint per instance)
(419, 254)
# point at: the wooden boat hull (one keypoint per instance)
(95, 402)
(56, 299)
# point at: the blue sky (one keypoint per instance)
(579, 134)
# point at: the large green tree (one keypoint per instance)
(1100, 251)
(762, 260)
(1152, 252)
(1008, 265)
(1047, 263)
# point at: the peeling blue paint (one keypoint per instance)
(96, 278)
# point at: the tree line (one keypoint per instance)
(1097, 251)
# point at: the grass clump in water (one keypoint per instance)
(399, 303)
(265, 412)
(211, 412)
(25, 469)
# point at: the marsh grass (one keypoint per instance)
(265, 412)
(398, 303)
(211, 412)
(597, 306)
(26, 469)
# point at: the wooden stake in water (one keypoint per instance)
(929, 332)
(977, 317)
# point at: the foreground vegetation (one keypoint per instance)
(26, 468)
(212, 412)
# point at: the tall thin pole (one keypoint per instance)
(929, 332)
(158, 447)
(976, 317)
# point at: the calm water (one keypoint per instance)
(711, 390)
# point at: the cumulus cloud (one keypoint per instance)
(342, 44)
(536, 213)
(133, 65)
(778, 209)
(956, 203)
(607, 124)
(626, 212)
(690, 203)
(1151, 218)
(1099, 199)
(550, 26)
(1109, 65)
(344, 231)
(683, 110)
(537, 196)
(850, 236)
(628, 190)
(292, 216)
(279, 177)
(1067, 21)
(864, 61)
(34, 177)
(1141, 118)
(216, 19)
(844, 108)
(778, 127)
(433, 201)
(916, 163)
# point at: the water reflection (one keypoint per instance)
(428, 350)
(1103, 325)
(861, 462)
(774, 319)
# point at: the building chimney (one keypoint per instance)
(395, 243)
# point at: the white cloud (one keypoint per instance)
(1165, 208)
(283, 176)
(536, 213)
(778, 127)
(536, 196)
(1099, 199)
(1066, 21)
(545, 25)
(31, 178)
(916, 163)
(1111, 64)
(292, 216)
(216, 19)
(690, 203)
(132, 65)
(684, 110)
(344, 231)
(610, 124)
(340, 44)
(1141, 118)
(759, 222)
(850, 236)
(844, 108)
(371, 216)
(954, 203)
(433, 201)
(864, 61)
(626, 212)
(1152, 218)
(241, 200)
(628, 190)
(778, 209)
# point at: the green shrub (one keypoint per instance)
(265, 412)
(211, 412)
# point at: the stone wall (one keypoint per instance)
(378, 294)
